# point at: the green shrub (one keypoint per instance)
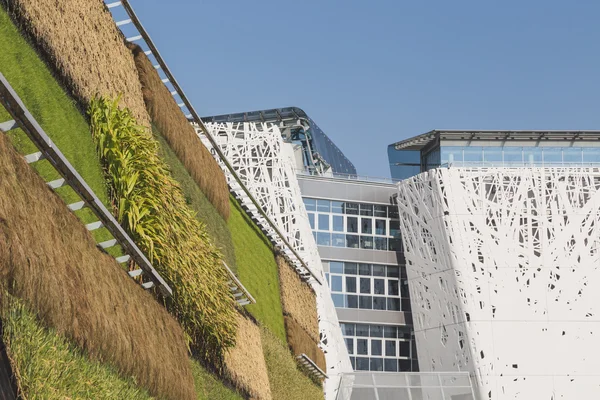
(47, 366)
(153, 210)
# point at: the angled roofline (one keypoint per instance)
(420, 141)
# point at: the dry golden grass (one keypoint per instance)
(300, 342)
(83, 45)
(181, 136)
(245, 365)
(298, 299)
(49, 259)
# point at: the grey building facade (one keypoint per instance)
(356, 227)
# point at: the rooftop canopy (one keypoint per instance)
(420, 141)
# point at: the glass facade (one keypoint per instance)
(329, 151)
(368, 286)
(380, 347)
(510, 156)
(354, 225)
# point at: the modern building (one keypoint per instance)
(345, 223)
(357, 232)
(501, 234)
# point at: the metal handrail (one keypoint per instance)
(196, 118)
(15, 107)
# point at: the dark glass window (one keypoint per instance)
(351, 301)
(405, 304)
(404, 365)
(352, 224)
(350, 268)
(395, 245)
(362, 330)
(380, 227)
(366, 225)
(376, 347)
(404, 349)
(393, 212)
(376, 364)
(390, 365)
(380, 211)
(393, 272)
(365, 302)
(364, 269)
(366, 209)
(395, 229)
(362, 346)
(379, 286)
(365, 285)
(379, 303)
(381, 243)
(393, 304)
(389, 331)
(347, 329)
(376, 330)
(366, 242)
(378, 270)
(350, 284)
(352, 241)
(393, 288)
(362, 363)
(390, 348)
(351, 208)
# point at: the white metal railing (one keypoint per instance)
(519, 164)
(406, 386)
(352, 177)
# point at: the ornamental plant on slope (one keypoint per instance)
(153, 210)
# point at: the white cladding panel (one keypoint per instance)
(504, 279)
(267, 167)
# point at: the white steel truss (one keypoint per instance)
(503, 268)
(266, 166)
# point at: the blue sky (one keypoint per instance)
(371, 73)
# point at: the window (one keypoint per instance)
(338, 300)
(350, 268)
(311, 220)
(352, 301)
(379, 303)
(376, 364)
(366, 242)
(352, 208)
(381, 243)
(365, 285)
(352, 241)
(366, 225)
(375, 347)
(380, 211)
(365, 302)
(364, 269)
(366, 209)
(347, 329)
(338, 240)
(336, 283)
(393, 288)
(323, 238)
(390, 365)
(362, 346)
(323, 222)
(323, 206)
(362, 363)
(337, 207)
(352, 224)
(350, 345)
(310, 204)
(378, 270)
(376, 330)
(338, 223)
(404, 349)
(380, 227)
(362, 330)
(350, 284)
(379, 286)
(390, 348)
(393, 304)
(336, 267)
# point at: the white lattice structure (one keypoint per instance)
(504, 278)
(266, 166)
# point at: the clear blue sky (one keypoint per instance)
(371, 73)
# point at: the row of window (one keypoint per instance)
(381, 364)
(378, 331)
(349, 224)
(357, 242)
(378, 347)
(370, 302)
(341, 207)
(363, 269)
